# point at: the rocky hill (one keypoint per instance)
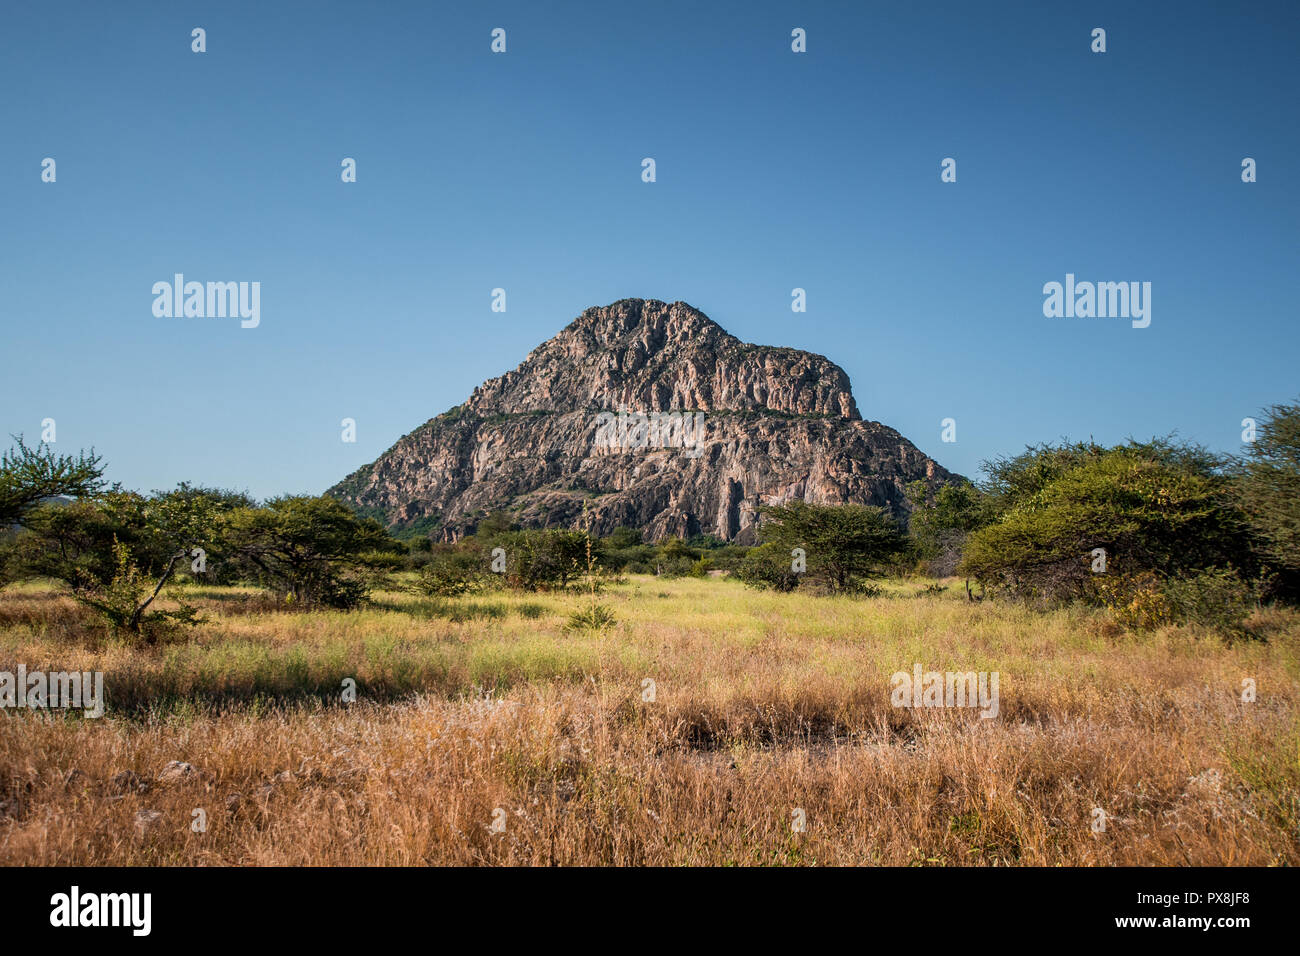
(652, 416)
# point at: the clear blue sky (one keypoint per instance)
(522, 171)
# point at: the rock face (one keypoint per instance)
(654, 417)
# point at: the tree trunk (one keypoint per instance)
(133, 624)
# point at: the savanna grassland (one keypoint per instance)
(489, 708)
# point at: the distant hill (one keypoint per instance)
(654, 417)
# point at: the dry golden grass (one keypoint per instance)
(764, 704)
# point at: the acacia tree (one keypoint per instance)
(537, 559)
(1269, 482)
(1156, 507)
(943, 519)
(125, 600)
(112, 557)
(842, 542)
(79, 542)
(191, 518)
(312, 549)
(29, 476)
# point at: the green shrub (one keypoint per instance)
(311, 548)
(1268, 484)
(1216, 598)
(1157, 507)
(675, 567)
(1136, 601)
(451, 571)
(768, 567)
(123, 602)
(591, 617)
(942, 518)
(701, 568)
(542, 559)
(842, 544)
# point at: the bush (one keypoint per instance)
(31, 476)
(1268, 482)
(768, 567)
(1217, 599)
(1136, 601)
(675, 550)
(842, 543)
(856, 588)
(78, 542)
(124, 600)
(942, 519)
(541, 560)
(1156, 507)
(638, 560)
(701, 568)
(312, 550)
(592, 617)
(190, 517)
(453, 571)
(338, 591)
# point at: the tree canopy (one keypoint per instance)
(1269, 481)
(30, 476)
(842, 543)
(1149, 506)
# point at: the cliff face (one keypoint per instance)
(653, 416)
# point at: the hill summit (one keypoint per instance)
(652, 416)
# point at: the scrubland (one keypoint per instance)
(710, 725)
